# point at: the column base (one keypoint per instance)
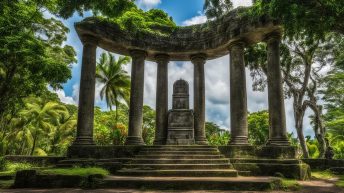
(159, 142)
(201, 141)
(133, 140)
(238, 151)
(79, 141)
(278, 142)
(278, 152)
(239, 140)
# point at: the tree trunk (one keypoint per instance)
(298, 117)
(34, 144)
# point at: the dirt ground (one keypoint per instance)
(314, 186)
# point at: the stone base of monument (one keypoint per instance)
(194, 160)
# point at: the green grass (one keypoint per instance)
(75, 171)
(324, 174)
(327, 174)
(340, 182)
(4, 184)
(290, 185)
(7, 173)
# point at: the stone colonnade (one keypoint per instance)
(238, 95)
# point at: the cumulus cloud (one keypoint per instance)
(62, 96)
(148, 4)
(195, 20)
(238, 3)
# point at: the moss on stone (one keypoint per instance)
(75, 171)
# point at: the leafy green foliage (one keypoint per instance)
(75, 171)
(148, 126)
(315, 17)
(258, 127)
(216, 8)
(109, 8)
(32, 52)
(215, 135)
(135, 20)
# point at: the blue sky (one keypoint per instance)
(184, 12)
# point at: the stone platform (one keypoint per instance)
(190, 160)
(193, 183)
(178, 161)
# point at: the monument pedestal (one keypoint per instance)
(180, 119)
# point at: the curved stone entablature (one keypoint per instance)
(211, 38)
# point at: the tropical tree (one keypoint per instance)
(216, 8)
(258, 127)
(32, 52)
(315, 17)
(215, 135)
(40, 117)
(148, 125)
(115, 80)
(302, 61)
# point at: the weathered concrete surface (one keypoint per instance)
(85, 123)
(136, 98)
(161, 99)
(180, 129)
(238, 95)
(277, 119)
(199, 98)
(211, 38)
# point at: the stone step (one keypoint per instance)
(176, 166)
(180, 161)
(180, 146)
(178, 153)
(180, 173)
(192, 183)
(82, 161)
(184, 156)
(272, 161)
(179, 149)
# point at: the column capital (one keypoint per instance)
(238, 43)
(198, 58)
(273, 36)
(89, 39)
(162, 58)
(138, 53)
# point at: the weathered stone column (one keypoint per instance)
(199, 98)
(278, 131)
(136, 98)
(84, 134)
(161, 99)
(238, 95)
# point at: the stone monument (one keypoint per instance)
(180, 119)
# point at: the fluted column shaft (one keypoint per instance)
(161, 99)
(84, 134)
(238, 95)
(278, 131)
(199, 98)
(136, 98)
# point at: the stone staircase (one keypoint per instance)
(187, 161)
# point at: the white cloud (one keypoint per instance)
(62, 96)
(195, 20)
(148, 4)
(237, 3)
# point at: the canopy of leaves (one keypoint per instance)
(136, 20)
(258, 127)
(316, 17)
(216, 8)
(32, 52)
(122, 12)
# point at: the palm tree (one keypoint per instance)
(216, 8)
(41, 117)
(116, 81)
